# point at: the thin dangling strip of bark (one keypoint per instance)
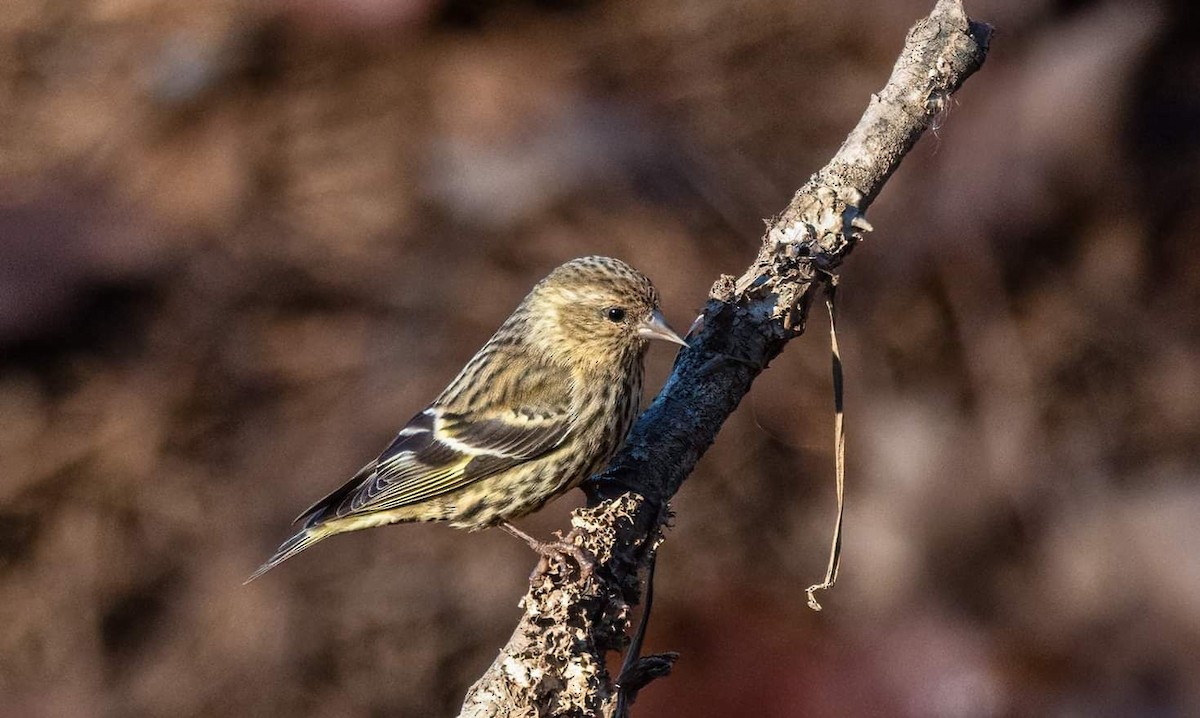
(839, 444)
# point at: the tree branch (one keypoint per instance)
(554, 663)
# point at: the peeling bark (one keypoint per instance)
(554, 663)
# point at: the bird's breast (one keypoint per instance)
(606, 414)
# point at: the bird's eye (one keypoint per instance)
(615, 314)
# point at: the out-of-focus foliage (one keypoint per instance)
(242, 242)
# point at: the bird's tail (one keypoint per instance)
(291, 547)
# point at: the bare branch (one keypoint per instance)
(553, 665)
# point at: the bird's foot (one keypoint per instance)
(553, 552)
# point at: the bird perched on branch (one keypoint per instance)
(544, 404)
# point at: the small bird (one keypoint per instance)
(543, 405)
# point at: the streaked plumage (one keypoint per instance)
(544, 404)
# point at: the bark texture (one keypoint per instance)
(554, 663)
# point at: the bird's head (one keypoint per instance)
(599, 306)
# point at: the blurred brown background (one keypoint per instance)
(242, 242)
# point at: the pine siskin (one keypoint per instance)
(543, 405)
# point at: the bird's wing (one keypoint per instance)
(516, 412)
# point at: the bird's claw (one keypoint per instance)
(556, 551)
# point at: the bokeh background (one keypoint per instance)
(241, 242)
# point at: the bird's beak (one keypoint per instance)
(655, 327)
